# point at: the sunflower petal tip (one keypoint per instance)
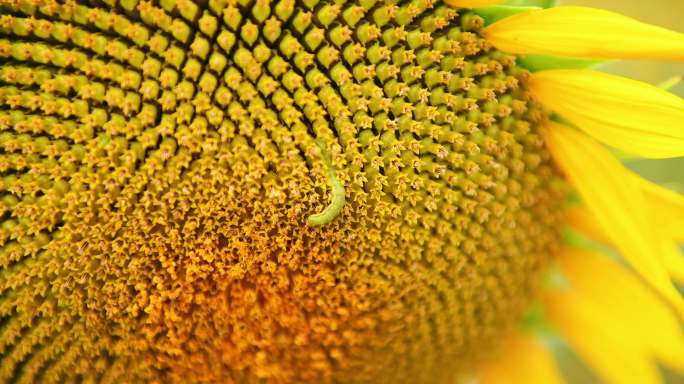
(632, 116)
(584, 32)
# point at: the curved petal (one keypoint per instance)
(667, 207)
(667, 221)
(580, 218)
(632, 116)
(631, 309)
(523, 360)
(584, 32)
(613, 197)
(612, 355)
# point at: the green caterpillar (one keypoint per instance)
(337, 202)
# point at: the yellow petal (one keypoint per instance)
(524, 360)
(632, 116)
(580, 219)
(667, 207)
(473, 3)
(610, 354)
(673, 261)
(584, 32)
(613, 197)
(625, 303)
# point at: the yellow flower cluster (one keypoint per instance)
(159, 162)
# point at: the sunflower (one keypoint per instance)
(243, 191)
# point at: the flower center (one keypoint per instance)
(160, 162)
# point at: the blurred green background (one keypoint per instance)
(665, 13)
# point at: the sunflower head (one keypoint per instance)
(282, 191)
